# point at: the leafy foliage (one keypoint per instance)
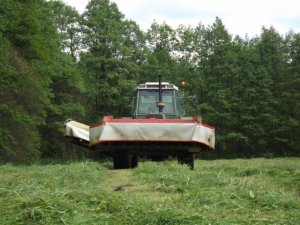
(24, 92)
(111, 62)
(39, 83)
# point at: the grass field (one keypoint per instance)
(252, 191)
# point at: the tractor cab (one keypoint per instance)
(158, 100)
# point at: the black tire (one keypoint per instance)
(134, 161)
(188, 159)
(180, 158)
(122, 161)
(125, 161)
(158, 158)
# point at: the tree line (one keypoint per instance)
(56, 64)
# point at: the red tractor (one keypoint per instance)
(158, 128)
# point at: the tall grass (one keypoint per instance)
(255, 191)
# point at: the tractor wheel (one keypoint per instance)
(157, 158)
(187, 158)
(125, 161)
(122, 161)
(134, 161)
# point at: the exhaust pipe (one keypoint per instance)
(160, 103)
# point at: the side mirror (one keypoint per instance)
(194, 99)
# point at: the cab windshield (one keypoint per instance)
(148, 99)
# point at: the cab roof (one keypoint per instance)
(154, 85)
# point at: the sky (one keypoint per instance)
(240, 17)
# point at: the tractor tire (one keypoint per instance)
(157, 158)
(134, 161)
(125, 161)
(122, 161)
(187, 158)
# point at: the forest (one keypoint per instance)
(57, 64)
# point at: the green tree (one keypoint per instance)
(24, 92)
(160, 60)
(287, 133)
(272, 58)
(66, 85)
(68, 23)
(254, 111)
(111, 62)
(39, 83)
(218, 63)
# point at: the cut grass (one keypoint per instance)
(254, 191)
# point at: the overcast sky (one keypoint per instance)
(240, 17)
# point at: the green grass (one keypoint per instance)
(253, 191)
